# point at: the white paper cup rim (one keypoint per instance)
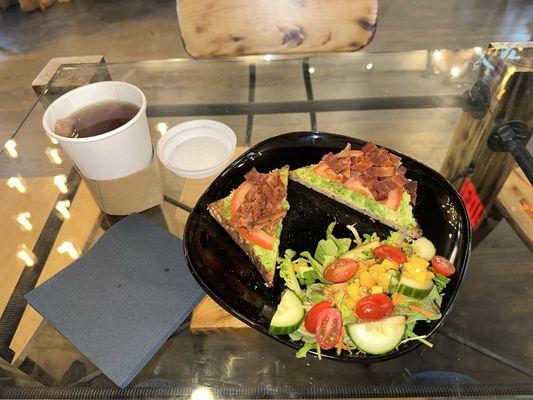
(202, 128)
(74, 92)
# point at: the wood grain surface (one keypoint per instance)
(208, 316)
(515, 201)
(220, 28)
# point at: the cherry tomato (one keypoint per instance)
(329, 328)
(442, 266)
(395, 198)
(259, 237)
(374, 307)
(324, 171)
(238, 197)
(311, 318)
(389, 253)
(340, 270)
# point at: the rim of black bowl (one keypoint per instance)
(404, 349)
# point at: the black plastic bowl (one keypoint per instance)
(229, 277)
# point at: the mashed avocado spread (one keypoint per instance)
(403, 216)
(267, 257)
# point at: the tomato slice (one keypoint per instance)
(323, 170)
(340, 270)
(442, 266)
(238, 197)
(311, 318)
(358, 188)
(259, 237)
(374, 307)
(389, 253)
(329, 328)
(395, 198)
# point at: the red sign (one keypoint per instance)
(474, 206)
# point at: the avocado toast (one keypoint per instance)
(253, 216)
(371, 181)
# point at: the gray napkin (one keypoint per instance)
(120, 302)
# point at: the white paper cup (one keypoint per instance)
(115, 154)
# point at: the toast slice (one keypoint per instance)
(263, 259)
(361, 198)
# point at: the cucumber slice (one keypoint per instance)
(378, 337)
(424, 248)
(415, 289)
(288, 316)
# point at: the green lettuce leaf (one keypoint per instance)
(343, 244)
(305, 348)
(286, 272)
(315, 293)
(305, 273)
(440, 281)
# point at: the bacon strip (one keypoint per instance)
(262, 206)
(373, 168)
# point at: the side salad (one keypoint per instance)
(362, 300)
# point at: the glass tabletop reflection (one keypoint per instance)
(415, 102)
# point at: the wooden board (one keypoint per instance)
(208, 316)
(515, 201)
(212, 28)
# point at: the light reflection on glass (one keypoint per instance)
(11, 148)
(17, 183)
(477, 50)
(60, 181)
(312, 70)
(26, 255)
(455, 72)
(202, 393)
(437, 55)
(68, 248)
(268, 57)
(62, 207)
(24, 220)
(369, 66)
(162, 127)
(54, 141)
(53, 156)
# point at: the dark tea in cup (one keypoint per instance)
(96, 119)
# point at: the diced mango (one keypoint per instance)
(349, 302)
(415, 272)
(418, 261)
(376, 289)
(366, 279)
(384, 281)
(388, 264)
(429, 275)
(354, 290)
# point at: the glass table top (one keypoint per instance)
(413, 102)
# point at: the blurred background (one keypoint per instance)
(128, 30)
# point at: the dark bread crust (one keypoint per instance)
(216, 210)
(411, 232)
